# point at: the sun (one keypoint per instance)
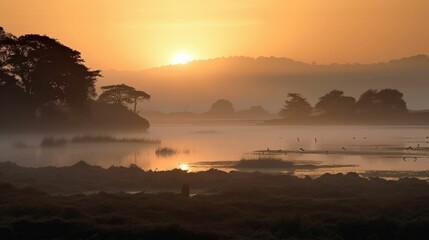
(184, 166)
(181, 58)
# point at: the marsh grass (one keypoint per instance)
(242, 206)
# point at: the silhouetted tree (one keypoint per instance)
(335, 103)
(14, 103)
(122, 94)
(368, 102)
(47, 71)
(392, 101)
(222, 107)
(6, 77)
(385, 101)
(296, 106)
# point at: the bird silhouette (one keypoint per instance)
(415, 159)
(315, 140)
(404, 159)
(343, 148)
(409, 148)
(302, 149)
(297, 139)
(418, 145)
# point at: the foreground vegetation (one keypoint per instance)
(227, 205)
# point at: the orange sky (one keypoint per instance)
(112, 34)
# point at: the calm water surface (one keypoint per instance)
(361, 149)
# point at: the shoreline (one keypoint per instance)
(82, 177)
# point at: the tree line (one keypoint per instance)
(39, 75)
(37, 71)
(372, 103)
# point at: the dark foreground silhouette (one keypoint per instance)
(227, 205)
(46, 86)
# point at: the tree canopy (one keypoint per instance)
(372, 105)
(45, 70)
(222, 107)
(335, 103)
(385, 101)
(122, 94)
(296, 106)
(46, 85)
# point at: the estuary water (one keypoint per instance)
(386, 151)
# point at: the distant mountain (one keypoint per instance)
(265, 81)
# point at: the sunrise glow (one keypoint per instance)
(243, 119)
(184, 166)
(181, 58)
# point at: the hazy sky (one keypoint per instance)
(136, 34)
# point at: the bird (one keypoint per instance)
(409, 148)
(418, 145)
(315, 140)
(301, 149)
(415, 159)
(344, 148)
(404, 159)
(297, 138)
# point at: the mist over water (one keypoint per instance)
(201, 147)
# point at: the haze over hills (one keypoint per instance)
(265, 81)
